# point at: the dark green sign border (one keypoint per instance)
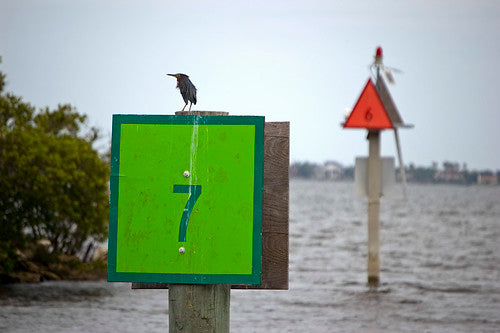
(251, 279)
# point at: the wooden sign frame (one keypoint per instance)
(275, 212)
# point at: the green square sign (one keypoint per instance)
(186, 199)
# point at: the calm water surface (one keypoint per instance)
(440, 272)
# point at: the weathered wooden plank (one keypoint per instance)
(198, 308)
(275, 198)
(278, 129)
(201, 113)
(144, 285)
(275, 211)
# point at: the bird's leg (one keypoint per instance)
(190, 105)
(184, 107)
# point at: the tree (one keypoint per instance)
(54, 185)
(303, 169)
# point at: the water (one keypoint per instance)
(440, 272)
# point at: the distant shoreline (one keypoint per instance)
(449, 173)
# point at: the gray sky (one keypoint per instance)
(300, 61)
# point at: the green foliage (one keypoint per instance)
(421, 174)
(54, 185)
(349, 172)
(2, 78)
(303, 169)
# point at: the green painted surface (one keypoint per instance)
(224, 224)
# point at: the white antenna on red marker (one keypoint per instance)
(379, 65)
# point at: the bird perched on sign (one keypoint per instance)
(187, 89)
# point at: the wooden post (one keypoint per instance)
(374, 172)
(199, 308)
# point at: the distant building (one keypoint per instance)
(487, 178)
(450, 174)
(332, 170)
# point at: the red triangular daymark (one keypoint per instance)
(369, 111)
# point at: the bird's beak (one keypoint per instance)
(171, 75)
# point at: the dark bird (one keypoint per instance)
(187, 88)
